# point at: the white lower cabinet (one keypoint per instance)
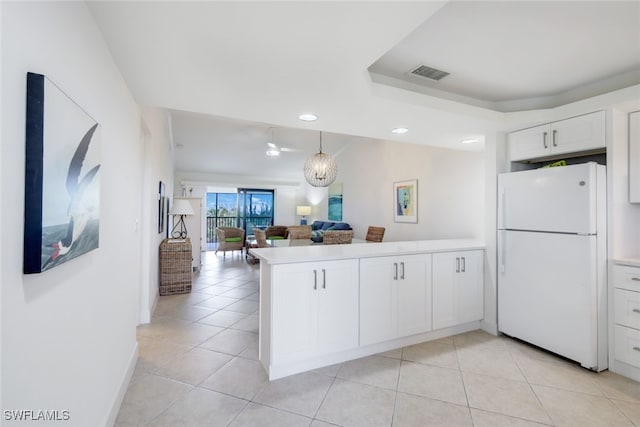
(395, 297)
(314, 309)
(458, 291)
(625, 281)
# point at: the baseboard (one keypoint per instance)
(489, 327)
(124, 385)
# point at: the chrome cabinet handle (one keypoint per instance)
(636, 279)
(315, 279)
(324, 279)
(635, 310)
(464, 264)
(544, 140)
(457, 265)
(402, 275)
(555, 142)
(636, 348)
(395, 275)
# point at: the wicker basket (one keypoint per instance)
(175, 266)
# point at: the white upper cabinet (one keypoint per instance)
(634, 157)
(578, 134)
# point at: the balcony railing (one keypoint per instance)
(232, 221)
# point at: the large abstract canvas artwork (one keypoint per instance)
(335, 202)
(62, 180)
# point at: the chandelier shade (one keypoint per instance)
(320, 170)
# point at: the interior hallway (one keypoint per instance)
(198, 367)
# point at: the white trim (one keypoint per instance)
(124, 385)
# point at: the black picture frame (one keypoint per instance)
(161, 207)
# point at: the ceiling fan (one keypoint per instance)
(274, 150)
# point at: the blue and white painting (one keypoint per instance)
(335, 202)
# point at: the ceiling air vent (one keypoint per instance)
(429, 73)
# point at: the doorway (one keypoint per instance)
(246, 208)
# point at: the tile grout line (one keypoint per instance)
(464, 386)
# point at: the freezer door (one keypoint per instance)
(559, 199)
(548, 292)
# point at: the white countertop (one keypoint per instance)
(286, 255)
(633, 262)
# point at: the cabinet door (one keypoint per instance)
(458, 291)
(294, 312)
(414, 296)
(337, 306)
(634, 157)
(578, 133)
(469, 289)
(530, 143)
(378, 299)
(445, 268)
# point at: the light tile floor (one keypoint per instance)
(198, 367)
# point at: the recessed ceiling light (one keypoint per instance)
(469, 141)
(273, 152)
(400, 130)
(308, 117)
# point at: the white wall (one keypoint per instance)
(68, 334)
(287, 193)
(158, 166)
(495, 153)
(450, 189)
(624, 217)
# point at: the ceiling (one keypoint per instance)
(233, 72)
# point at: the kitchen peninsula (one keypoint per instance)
(321, 305)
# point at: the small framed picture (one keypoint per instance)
(405, 199)
(161, 207)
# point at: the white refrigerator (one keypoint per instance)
(552, 260)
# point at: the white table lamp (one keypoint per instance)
(181, 207)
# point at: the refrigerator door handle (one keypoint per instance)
(503, 210)
(501, 245)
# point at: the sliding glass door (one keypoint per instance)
(255, 209)
(248, 208)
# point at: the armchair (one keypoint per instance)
(276, 232)
(337, 237)
(230, 239)
(299, 232)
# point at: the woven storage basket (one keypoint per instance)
(175, 267)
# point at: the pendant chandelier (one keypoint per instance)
(320, 170)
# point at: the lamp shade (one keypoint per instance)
(303, 210)
(181, 207)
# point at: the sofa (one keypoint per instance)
(319, 227)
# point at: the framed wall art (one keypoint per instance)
(62, 178)
(405, 199)
(335, 202)
(161, 209)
